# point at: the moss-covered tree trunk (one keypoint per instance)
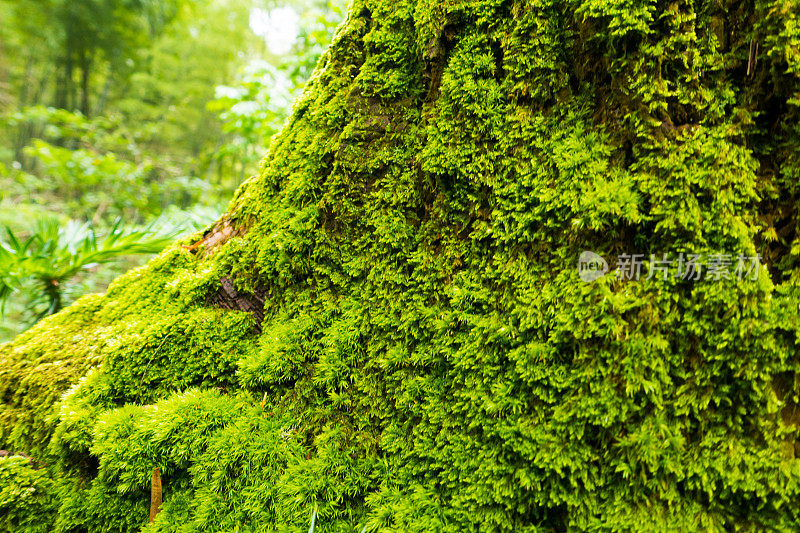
(389, 325)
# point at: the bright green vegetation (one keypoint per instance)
(54, 254)
(426, 357)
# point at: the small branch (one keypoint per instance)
(155, 494)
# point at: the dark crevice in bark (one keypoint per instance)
(436, 58)
(229, 297)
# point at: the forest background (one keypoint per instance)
(125, 123)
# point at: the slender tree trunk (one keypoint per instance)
(23, 130)
(69, 77)
(63, 98)
(60, 89)
(5, 96)
(101, 101)
(155, 493)
(86, 62)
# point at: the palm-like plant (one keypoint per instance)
(53, 253)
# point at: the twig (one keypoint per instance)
(155, 493)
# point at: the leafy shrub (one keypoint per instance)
(53, 254)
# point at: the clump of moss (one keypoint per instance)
(387, 330)
(27, 496)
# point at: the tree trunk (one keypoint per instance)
(103, 99)
(391, 323)
(86, 62)
(24, 130)
(69, 82)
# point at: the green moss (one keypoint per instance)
(426, 357)
(27, 497)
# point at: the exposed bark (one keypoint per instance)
(155, 494)
(228, 297)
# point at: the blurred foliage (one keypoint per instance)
(97, 169)
(52, 254)
(255, 107)
(145, 111)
